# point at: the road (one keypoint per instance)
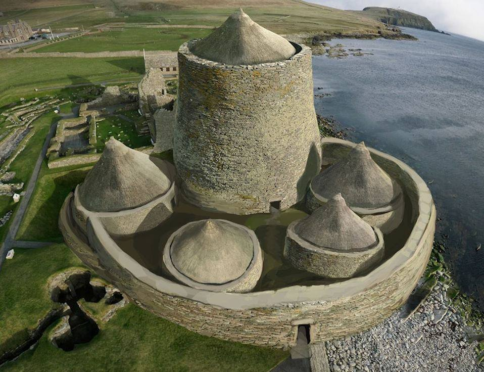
(30, 43)
(24, 203)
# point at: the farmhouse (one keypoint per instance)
(15, 32)
(166, 62)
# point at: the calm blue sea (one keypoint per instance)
(423, 102)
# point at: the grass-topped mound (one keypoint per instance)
(282, 16)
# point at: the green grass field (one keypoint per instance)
(282, 16)
(60, 16)
(40, 222)
(134, 340)
(20, 77)
(21, 306)
(293, 18)
(24, 164)
(122, 130)
(128, 39)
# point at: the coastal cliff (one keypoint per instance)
(398, 17)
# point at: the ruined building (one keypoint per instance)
(261, 228)
(158, 108)
(15, 32)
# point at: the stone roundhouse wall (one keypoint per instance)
(270, 318)
(246, 136)
(327, 262)
(273, 326)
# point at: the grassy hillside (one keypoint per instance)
(282, 16)
(398, 17)
(128, 39)
(21, 76)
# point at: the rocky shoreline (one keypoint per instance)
(318, 41)
(439, 329)
(434, 338)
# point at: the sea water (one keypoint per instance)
(422, 102)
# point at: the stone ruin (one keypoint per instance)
(77, 326)
(165, 121)
(159, 109)
(112, 96)
(152, 92)
(261, 228)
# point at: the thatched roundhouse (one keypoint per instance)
(333, 242)
(124, 188)
(214, 255)
(366, 187)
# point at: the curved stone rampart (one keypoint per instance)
(246, 136)
(270, 318)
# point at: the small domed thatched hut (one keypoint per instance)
(124, 187)
(214, 255)
(333, 242)
(368, 190)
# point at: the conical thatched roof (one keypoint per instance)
(122, 179)
(241, 41)
(359, 179)
(212, 252)
(335, 225)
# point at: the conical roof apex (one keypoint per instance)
(359, 179)
(122, 179)
(334, 225)
(241, 41)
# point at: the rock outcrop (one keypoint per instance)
(398, 17)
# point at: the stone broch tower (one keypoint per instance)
(246, 136)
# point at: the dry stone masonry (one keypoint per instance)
(246, 136)
(196, 244)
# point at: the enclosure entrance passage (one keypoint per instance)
(302, 350)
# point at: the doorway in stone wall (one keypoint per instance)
(302, 350)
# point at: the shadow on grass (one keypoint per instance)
(53, 191)
(134, 64)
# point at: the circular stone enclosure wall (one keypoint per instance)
(271, 318)
(246, 136)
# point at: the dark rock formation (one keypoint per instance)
(70, 287)
(398, 17)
